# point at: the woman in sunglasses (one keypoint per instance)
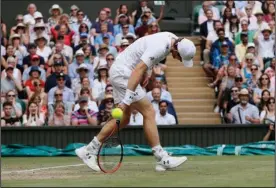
(264, 83)
(269, 112)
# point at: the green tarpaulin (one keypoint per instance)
(257, 148)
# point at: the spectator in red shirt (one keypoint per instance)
(65, 32)
(143, 29)
(34, 81)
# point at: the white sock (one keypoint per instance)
(94, 145)
(159, 152)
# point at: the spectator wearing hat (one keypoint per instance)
(29, 18)
(110, 60)
(257, 60)
(19, 19)
(244, 112)
(80, 19)
(42, 48)
(21, 30)
(34, 62)
(124, 45)
(19, 49)
(100, 60)
(34, 81)
(238, 83)
(103, 19)
(79, 59)
(265, 44)
(55, 11)
(123, 20)
(131, 38)
(84, 116)
(7, 119)
(104, 35)
(240, 49)
(32, 48)
(73, 15)
(260, 21)
(39, 29)
(92, 105)
(120, 36)
(123, 9)
(59, 117)
(270, 15)
(112, 49)
(68, 94)
(163, 117)
(84, 43)
(105, 109)
(100, 82)
(84, 32)
(143, 29)
(140, 7)
(244, 28)
(16, 72)
(9, 82)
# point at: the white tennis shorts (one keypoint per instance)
(118, 78)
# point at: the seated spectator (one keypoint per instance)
(240, 49)
(244, 29)
(270, 135)
(165, 95)
(63, 30)
(96, 27)
(21, 30)
(104, 34)
(72, 69)
(83, 28)
(32, 117)
(84, 116)
(269, 113)
(7, 119)
(131, 38)
(246, 70)
(141, 6)
(231, 5)
(143, 28)
(253, 5)
(120, 36)
(42, 48)
(39, 19)
(136, 118)
(252, 82)
(34, 82)
(153, 28)
(16, 72)
(32, 48)
(34, 63)
(92, 105)
(271, 72)
(234, 27)
(9, 82)
(271, 11)
(265, 5)
(59, 118)
(227, 105)
(163, 117)
(18, 19)
(39, 29)
(110, 60)
(264, 83)
(249, 16)
(101, 82)
(83, 44)
(108, 13)
(73, 15)
(260, 22)
(51, 81)
(64, 49)
(124, 45)
(68, 95)
(123, 9)
(257, 59)
(100, 60)
(123, 20)
(271, 24)
(202, 12)
(68, 106)
(105, 109)
(19, 49)
(80, 20)
(150, 16)
(244, 113)
(16, 110)
(29, 18)
(40, 98)
(265, 96)
(55, 12)
(112, 48)
(108, 91)
(58, 57)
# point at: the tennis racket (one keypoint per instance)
(110, 155)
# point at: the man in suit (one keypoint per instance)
(205, 28)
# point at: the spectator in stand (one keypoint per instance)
(251, 18)
(29, 18)
(68, 95)
(270, 135)
(9, 82)
(55, 12)
(264, 83)
(110, 60)
(123, 20)
(76, 63)
(112, 49)
(34, 82)
(100, 60)
(96, 28)
(238, 84)
(19, 49)
(257, 59)
(42, 48)
(261, 23)
(227, 105)
(271, 24)
(16, 110)
(231, 5)
(68, 106)
(59, 118)
(244, 28)
(271, 13)
(264, 100)
(205, 28)
(104, 34)
(226, 17)
(120, 36)
(73, 14)
(21, 30)
(123, 9)
(101, 82)
(244, 113)
(19, 19)
(234, 27)
(246, 70)
(84, 116)
(252, 82)
(89, 53)
(64, 31)
(40, 98)
(105, 109)
(34, 62)
(269, 113)
(150, 16)
(7, 119)
(139, 8)
(33, 117)
(83, 32)
(143, 29)
(136, 118)
(270, 70)
(62, 48)
(83, 44)
(108, 13)
(163, 117)
(165, 95)
(32, 48)
(39, 29)
(58, 67)
(265, 43)
(254, 5)
(153, 28)
(92, 105)
(124, 45)
(240, 49)
(202, 17)
(265, 5)
(80, 20)
(10, 53)
(16, 72)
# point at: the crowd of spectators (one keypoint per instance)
(238, 42)
(54, 68)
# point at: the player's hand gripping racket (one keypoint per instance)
(110, 155)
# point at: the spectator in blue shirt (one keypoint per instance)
(103, 19)
(104, 34)
(80, 19)
(123, 20)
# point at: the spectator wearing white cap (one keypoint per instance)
(124, 45)
(29, 18)
(123, 20)
(55, 11)
(79, 59)
(19, 19)
(119, 37)
(22, 30)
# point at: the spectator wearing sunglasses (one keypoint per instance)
(55, 12)
(80, 19)
(252, 82)
(110, 60)
(264, 83)
(73, 15)
(59, 99)
(123, 20)
(124, 45)
(228, 104)
(122, 35)
(143, 29)
(84, 32)
(16, 108)
(39, 29)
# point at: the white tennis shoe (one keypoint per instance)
(169, 162)
(88, 158)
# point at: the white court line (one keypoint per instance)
(57, 167)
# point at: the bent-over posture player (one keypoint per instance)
(126, 74)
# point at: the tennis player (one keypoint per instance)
(126, 74)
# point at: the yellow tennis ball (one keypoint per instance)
(117, 113)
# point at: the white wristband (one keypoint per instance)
(129, 96)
